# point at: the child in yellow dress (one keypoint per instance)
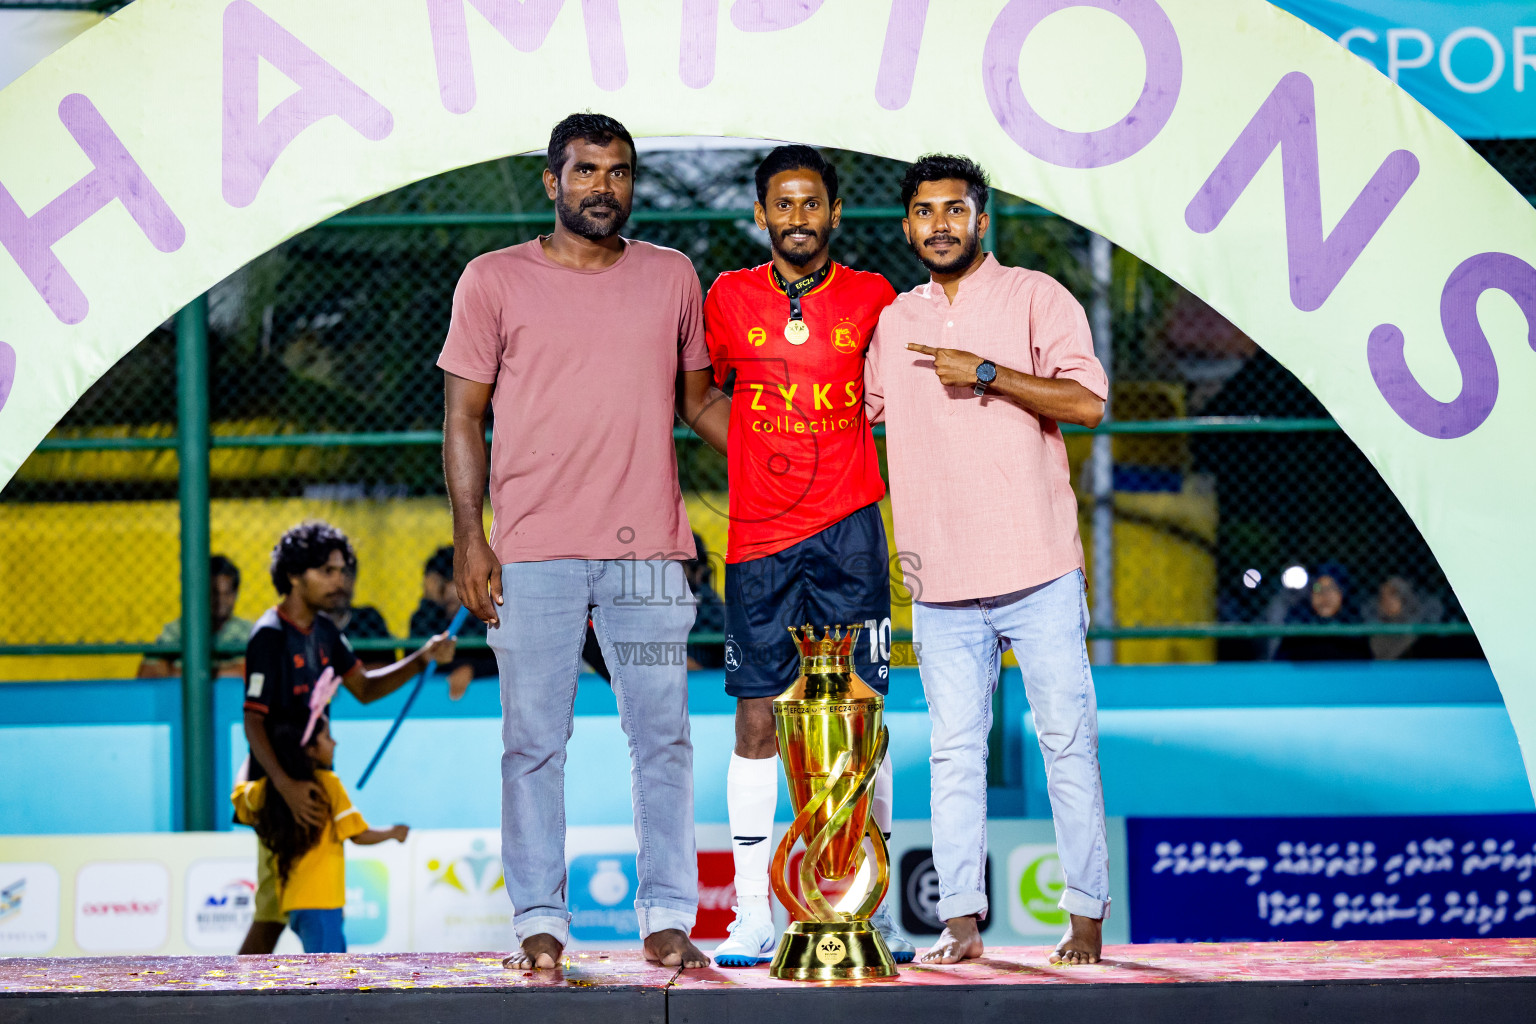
(311, 864)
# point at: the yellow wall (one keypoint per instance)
(108, 572)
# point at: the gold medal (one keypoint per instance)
(796, 333)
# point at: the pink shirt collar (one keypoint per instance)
(978, 280)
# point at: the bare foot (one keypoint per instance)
(1082, 943)
(540, 952)
(459, 680)
(960, 940)
(671, 948)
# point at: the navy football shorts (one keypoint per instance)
(838, 577)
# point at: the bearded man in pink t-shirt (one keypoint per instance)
(972, 372)
(584, 345)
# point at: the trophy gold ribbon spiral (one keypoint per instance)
(831, 740)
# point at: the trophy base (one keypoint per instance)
(839, 951)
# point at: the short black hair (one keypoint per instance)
(441, 562)
(943, 167)
(598, 129)
(308, 546)
(795, 158)
(219, 565)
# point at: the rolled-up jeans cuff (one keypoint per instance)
(1074, 901)
(964, 904)
(659, 915)
(558, 928)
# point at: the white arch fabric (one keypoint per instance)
(1282, 179)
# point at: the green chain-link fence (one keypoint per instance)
(325, 402)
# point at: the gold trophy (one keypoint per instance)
(832, 741)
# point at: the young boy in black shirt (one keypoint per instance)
(290, 648)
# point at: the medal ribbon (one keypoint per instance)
(800, 288)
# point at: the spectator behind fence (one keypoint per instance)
(361, 622)
(439, 604)
(711, 618)
(1329, 604)
(1398, 602)
(228, 631)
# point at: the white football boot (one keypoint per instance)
(752, 942)
(902, 951)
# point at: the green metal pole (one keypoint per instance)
(196, 618)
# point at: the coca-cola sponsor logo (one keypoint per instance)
(717, 894)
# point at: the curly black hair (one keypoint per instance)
(598, 129)
(943, 167)
(282, 833)
(795, 158)
(308, 546)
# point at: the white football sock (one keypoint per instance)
(880, 807)
(751, 799)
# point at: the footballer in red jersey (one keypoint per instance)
(807, 542)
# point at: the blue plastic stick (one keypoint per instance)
(421, 680)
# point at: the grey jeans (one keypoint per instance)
(962, 643)
(639, 609)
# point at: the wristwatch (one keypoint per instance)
(986, 373)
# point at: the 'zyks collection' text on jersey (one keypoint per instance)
(801, 454)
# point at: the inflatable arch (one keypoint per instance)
(1272, 173)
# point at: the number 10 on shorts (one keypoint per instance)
(879, 631)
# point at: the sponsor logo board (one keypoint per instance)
(602, 895)
(460, 896)
(919, 881)
(29, 909)
(122, 906)
(220, 901)
(367, 909)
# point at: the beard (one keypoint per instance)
(961, 259)
(577, 221)
(804, 251)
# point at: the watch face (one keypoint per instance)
(986, 373)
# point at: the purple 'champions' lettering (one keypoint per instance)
(1464, 334)
(525, 24)
(701, 26)
(251, 147)
(696, 57)
(898, 58)
(114, 175)
(1287, 120)
(7, 371)
(772, 15)
(1041, 139)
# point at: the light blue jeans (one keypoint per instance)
(960, 649)
(642, 612)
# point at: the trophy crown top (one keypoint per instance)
(835, 642)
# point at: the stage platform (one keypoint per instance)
(1487, 980)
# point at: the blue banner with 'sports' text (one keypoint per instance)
(1472, 65)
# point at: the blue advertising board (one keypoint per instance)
(1247, 879)
(1473, 65)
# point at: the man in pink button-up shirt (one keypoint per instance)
(971, 373)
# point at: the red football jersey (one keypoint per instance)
(801, 454)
